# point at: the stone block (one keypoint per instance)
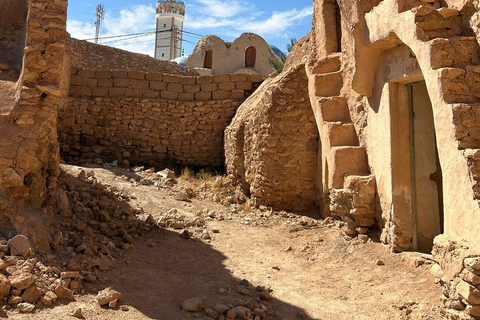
(191, 88)
(158, 85)
(472, 262)
(84, 91)
(84, 73)
(136, 93)
(204, 79)
(75, 80)
(345, 161)
(117, 92)
(106, 83)
(137, 75)
(186, 96)
(121, 82)
(218, 78)
(256, 78)
(333, 109)
(156, 76)
(341, 134)
(89, 82)
(169, 95)
(243, 85)
(187, 80)
(208, 87)
(203, 96)
(175, 87)
(139, 84)
(469, 292)
(237, 94)
(151, 94)
(228, 86)
(171, 78)
(119, 74)
(328, 85)
(100, 92)
(238, 77)
(103, 74)
(220, 95)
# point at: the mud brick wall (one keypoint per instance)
(147, 118)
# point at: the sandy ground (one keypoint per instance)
(314, 272)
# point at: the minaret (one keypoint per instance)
(168, 41)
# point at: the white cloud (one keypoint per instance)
(223, 9)
(138, 19)
(276, 25)
(278, 22)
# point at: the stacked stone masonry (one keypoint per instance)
(147, 117)
(28, 123)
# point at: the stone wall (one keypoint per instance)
(272, 145)
(12, 27)
(147, 117)
(28, 124)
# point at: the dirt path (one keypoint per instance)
(314, 272)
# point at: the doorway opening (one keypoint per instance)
(250, 57)
(207, 62)
(425, 169)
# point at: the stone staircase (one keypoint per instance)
(350, 184)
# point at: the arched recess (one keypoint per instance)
(13, 18)
(208, 59)
(370, 40)
(250, 57)
(331, 28)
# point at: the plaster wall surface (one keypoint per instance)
(230, 57)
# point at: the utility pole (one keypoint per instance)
(100, 14)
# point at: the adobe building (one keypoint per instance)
(375, 121)
(249, 54)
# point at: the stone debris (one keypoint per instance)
(192, 305)
(20, 246)
(78, 313)
(25, 307)
(108, 295)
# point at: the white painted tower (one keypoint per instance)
(168, 41)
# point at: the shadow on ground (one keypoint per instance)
(163, 269)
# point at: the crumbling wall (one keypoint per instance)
(13, 17)
(272, 144)
(28, 136)
(148, 117)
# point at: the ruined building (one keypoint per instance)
(373, 121)
(249, 54)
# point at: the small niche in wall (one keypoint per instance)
(207, 62)
(250, 57)
(13, 17)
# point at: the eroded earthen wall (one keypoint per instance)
(13, 17)
(150, 117)
(272, 144)
(28, 127)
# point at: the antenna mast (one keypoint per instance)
(100, 14)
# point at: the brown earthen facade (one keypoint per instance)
(393, 88)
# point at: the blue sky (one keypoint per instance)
(276, 21)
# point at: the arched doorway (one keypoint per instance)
(250, 57)
(403, 151)
(208, 60)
